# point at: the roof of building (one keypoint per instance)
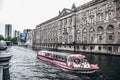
(67, 11)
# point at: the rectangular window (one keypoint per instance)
(100, 18)
(100, 37)
(84, 47)
(70, 29)
(110, 37)
(65, 21)
(84, 38)
(92, 39)
(110, 48)
(84, 20)
(91, 20)
(70, 20)
(99, 48)
(61, 23)
(109, 16)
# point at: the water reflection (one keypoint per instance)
(109, 65)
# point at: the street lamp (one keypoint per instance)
(74, 43)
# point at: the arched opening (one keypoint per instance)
(91, 48)
(84, 30)
(78, 47)
(84, 47)
(99, 48)
(119, 25)
(100, 28)
(110, 27)
(109, 48)
(91, 30)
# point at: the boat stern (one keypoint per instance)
(94, 66)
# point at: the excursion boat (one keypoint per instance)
(72, 62)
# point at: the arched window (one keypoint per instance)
(109, 5)
(110, 27)
(99, 48)
(78, 31)
(84, 30)
(119, 25)
(91, 29)
(91, 47)
(100, 28)
(84, 47)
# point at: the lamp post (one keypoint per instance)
(74, 43)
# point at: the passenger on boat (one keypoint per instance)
(76, 62)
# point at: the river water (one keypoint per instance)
(25, 66)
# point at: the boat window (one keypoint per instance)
(59, 57)
(51, 56)
(47, 54)
(42, 53)
(83, 60)
(77, 60)
(64, 58)
(69, 59)
(56, 56)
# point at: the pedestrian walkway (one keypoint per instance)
(1, 73)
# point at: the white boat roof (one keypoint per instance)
(63, 53)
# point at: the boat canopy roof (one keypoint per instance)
(64, 54)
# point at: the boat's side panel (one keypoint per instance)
(45, 58)
(55, 61)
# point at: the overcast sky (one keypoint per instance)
(26, 14)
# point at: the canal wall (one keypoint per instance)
(96, 49)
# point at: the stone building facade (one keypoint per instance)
(29, 38)
(92, 27)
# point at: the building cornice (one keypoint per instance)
(89, 4)
(66, 11)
